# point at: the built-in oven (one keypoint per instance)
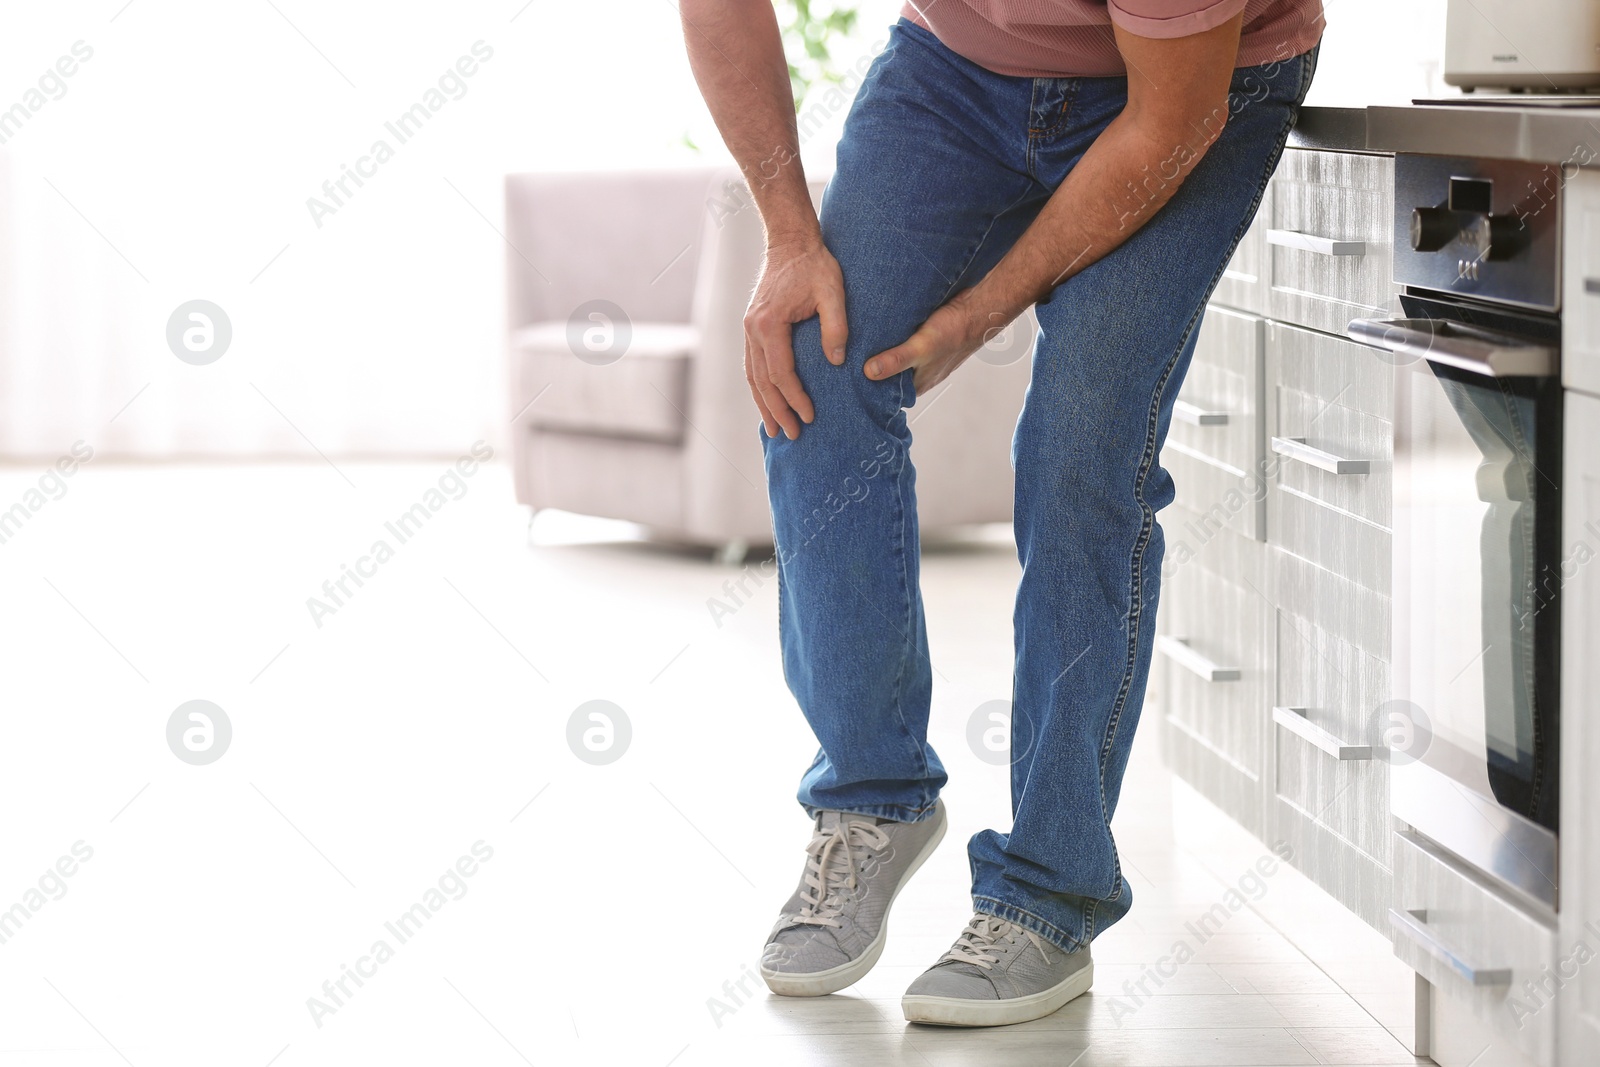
(1473, 732)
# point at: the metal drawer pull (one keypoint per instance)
(1414, 925)
(1454, 344)
(1195, 415)
(1294, 720)
(1178, 651)
(1592, 286)
(1310, 242)
(1296, 448)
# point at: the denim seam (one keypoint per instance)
(1062, 117)
(1069, 97)
(901, 511)
(1027, 920)
(881, 811)
(972, 257)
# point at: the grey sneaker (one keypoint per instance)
(997, 973)
(832, 929)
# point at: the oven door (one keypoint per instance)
(1472, 731)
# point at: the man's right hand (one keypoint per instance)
(799, 279)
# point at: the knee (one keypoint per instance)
(849, 406)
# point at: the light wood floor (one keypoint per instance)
(429, 712)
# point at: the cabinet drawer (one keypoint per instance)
(1478, 948)
(1328, 240)
(1330, 422)
(1334, 540)
(1341, 605)
(1213, 665)
(1214, 443)
(1329, 765)
(1244, 283)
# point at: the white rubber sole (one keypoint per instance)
(821, 983)
(950, 1011)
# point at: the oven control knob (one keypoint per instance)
(1432, 228)
(1494, 236)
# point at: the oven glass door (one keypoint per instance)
(1476, 544)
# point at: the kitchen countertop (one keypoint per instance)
(1492, 131)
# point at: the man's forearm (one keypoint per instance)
(736, 53)
(1124, 178)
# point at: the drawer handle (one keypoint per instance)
(1592, 286)
(1178, 651)
(1294, 720)
(1310, 242)
(1296, 448)
(1414, 925)
(1195, 415)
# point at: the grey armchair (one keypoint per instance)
(626, 297)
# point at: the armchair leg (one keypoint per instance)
(732, 553)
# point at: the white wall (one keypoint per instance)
(1380, 52)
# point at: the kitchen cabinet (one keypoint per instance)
(1330, 434)
(1578, 971)
(1328, 239)
(1214, 448)
(1482, 954)
(1213, 658)
(1213, 652)
(1273, 647)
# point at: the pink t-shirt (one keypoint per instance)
(1070, 38)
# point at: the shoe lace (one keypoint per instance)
(982, 936)
(830, 875)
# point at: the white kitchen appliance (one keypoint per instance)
(1538, 45)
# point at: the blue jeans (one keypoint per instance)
(942, 166)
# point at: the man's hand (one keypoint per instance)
(799, 279)
(940, 345)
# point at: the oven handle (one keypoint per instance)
(1485, 352)
(1414, 925)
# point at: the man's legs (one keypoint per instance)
(1114, 345)
(924, 201)
(927, 196)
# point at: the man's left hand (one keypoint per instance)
(940, 345)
